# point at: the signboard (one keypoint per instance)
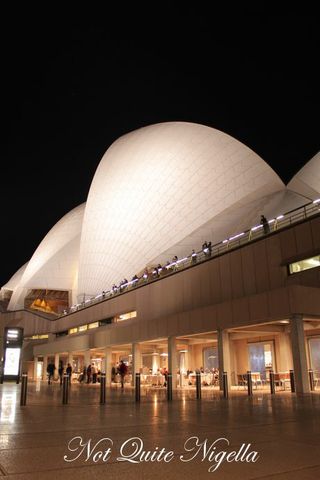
(13, 339)
(12, 361)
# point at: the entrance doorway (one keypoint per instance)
(314, 349)
(261, 357)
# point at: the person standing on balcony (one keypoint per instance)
(193, 257)
(265, 224)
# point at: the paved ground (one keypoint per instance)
(283, 429)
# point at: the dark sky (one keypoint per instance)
(72, 86)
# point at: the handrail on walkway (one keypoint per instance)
(242, 238)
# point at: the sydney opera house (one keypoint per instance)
(167, 264)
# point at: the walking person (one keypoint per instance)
(60, 371)
(123, 371)
(69, 372)
(94, 373)
(89, 374)
(113, 374)
(50, 371)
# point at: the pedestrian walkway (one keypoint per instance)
(283, 429)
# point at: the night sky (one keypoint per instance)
(73, 86)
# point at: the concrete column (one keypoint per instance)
(172, 360)
(70, 359)
(35, 365)
(107, 364)
(224, 356)
(299, 354)
(87, 358)
(190, 360)
(1, 342)
(182, 367)
(44, 367)
(284, 359)
(56, 364)
(155, 362)
(136, 360)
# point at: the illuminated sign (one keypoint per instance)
(11, 366)
(13, 339)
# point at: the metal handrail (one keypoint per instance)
(242, 238)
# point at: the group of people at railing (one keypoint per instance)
(155, 272)
(161, 270)
(150, 273)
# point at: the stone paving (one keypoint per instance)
(47, 440)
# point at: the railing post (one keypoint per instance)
(198, 384)
(65, 392)
(225, 384)
(272, 384)
(169, 387)
(311, 378)
(138, 387)
(292, 382)
(249, 382)
(102, 388)
(24, 386)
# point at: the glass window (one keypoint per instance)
(261, 357)
(82, 328)
(305, 264)
(314, 348)
(37, 337)
(93, 325)
(210, 358)
(106, 321)
(73, 330)
(126, 316)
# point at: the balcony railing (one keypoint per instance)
(242, 238)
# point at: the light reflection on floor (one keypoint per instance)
(8, 406)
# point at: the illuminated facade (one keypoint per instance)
(162, 191)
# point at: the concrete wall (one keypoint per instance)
(246, 286)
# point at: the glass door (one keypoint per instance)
(314, 349)
(261, 358)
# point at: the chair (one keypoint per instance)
(242, 380)
(256, 379)
(284, 379)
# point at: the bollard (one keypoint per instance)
(225, 384)
(65, 389)
(198, 384)
(24, 386)
(169, 387)
(292, 382)
(272, 384)
(311, 378)
(249, 381)
(138, 385)
(102, 388)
